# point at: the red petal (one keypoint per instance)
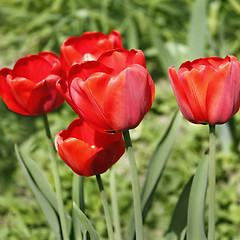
(7, 94)
(224, 94)
(76, 154)
(115, 59)
(45, 96)
(128, 98)
(180, 94)
(88, 104)
(21, 89)
(33, 67)
(115, 39)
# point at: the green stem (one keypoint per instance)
(114, 200)
(212, 183)
(106, 208)
(135, 187)
(82, 203)
(56, 179)
(76, 189)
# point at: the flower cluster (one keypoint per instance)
(105, 84)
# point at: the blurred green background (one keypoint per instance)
(168, 34)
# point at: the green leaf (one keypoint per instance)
(158, 162)
(179, 218)
(132, 34)
(40, 180)
(156, 167)
(164, 56)
(225, 137)
(85, 224)
(46, 207)
(197, 31)
(196, 207)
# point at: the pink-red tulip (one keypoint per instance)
(207, 90)
(30, 87)
(86, 151)
(89, 46)
(113, 93)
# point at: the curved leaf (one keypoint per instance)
(85, 224)
(179, 218)
(46, 207)
(196, 207)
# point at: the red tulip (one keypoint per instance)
(208, 89)
(86, 151)
(113, 93)
(89, 46)
(30, 88)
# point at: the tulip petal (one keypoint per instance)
(44, 97)
(115, 39)
(7, 95)
(180, 94)
(124, 107)
(77, 155)
(33, 67)
(136, 57)
(89, 108)
(63, 88)
(223, 93)
(115, 59)
(21, 89)
(196, 84)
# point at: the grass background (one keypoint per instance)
(168, 34)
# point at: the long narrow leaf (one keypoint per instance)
(46, 207)
(41, 181)
(179, 218)
(85, 224)
(197, 31)
(164, 56)
(195, 222)
(156, 167)
(158, 162)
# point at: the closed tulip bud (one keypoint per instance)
(207, 90)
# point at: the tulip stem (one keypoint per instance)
(114, 200)
(135, 187)
(105, 208)
(56, 179)
(212, 183)
(77, 194)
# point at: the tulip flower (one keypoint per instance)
(207, 90)
(30, 87)
(89, 46)
(86, 151)
(113, 93)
